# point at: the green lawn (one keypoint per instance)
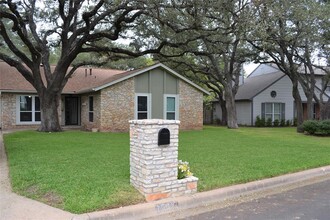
(84, 171)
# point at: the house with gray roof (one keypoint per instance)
(267, 93)
(105, 99)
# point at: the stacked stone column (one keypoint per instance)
(153, 168)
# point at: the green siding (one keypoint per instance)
(157, 93)
(142, 83)
(157, 82)
(171, 84)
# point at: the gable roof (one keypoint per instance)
(266, 68)
(116, 79)
(261, 78)
(254, 85)
(83, 80)
(263, 69)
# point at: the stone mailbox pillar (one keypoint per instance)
(153, 167)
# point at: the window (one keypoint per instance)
(28, 109)
(171, 107)
(142, 106)
(91, 108)
(274, 111)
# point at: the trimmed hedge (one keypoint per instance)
(313, 127)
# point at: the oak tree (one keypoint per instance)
(30, 30)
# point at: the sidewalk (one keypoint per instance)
(13, 206)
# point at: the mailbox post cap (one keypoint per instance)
(154, 122)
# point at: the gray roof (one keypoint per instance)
(254, 85)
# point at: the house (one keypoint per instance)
(105, 99)
(267, 93)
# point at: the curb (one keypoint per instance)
(170, 205)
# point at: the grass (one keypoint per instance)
(81, 171)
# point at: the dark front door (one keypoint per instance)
(71, 110)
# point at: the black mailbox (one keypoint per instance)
(163, 137)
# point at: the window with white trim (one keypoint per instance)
(274, 111)
(171, 107)
(28, 109)
(142, 106)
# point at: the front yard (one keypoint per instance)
(83, 171)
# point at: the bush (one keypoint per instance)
(260, 122)
(269, 122)
(276, 123)
(288, 123)
(324, 128)
(310, 126)
(282, 123)
(317, 127)
(295, 122)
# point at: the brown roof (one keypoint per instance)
(83, 79)
(11, 79)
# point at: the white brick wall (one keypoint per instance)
(153, 168)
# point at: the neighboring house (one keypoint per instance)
(105, 99)
(267, 93)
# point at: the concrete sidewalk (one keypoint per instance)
(13, 206)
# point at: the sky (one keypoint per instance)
(249, 67)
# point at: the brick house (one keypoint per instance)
(105, 99)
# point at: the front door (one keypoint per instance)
(72, 110)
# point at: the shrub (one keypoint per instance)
(288, 123)
(295, 122)
(269, 122)
(310, 126)
(258, 122)
(324, 127)
(282, 123)
(317, 127)
(276, 123)
(263, 122)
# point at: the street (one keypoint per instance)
(306, 202)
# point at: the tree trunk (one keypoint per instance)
(224, 112)
(49, 103)
(231, 108)
(325, 110)
(299, 106)
(310, 106)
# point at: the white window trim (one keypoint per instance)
(148, 95)
(18, 111)
(176, 105)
